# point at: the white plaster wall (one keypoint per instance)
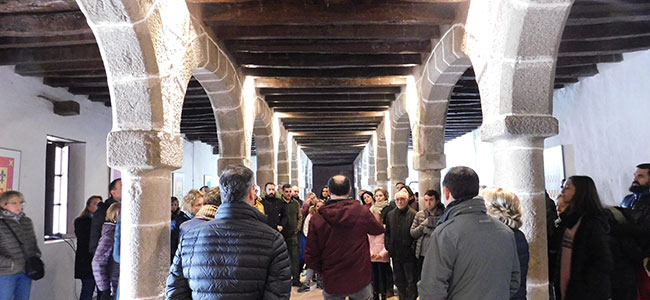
(26, 120)
(470, 151)
(605, 120)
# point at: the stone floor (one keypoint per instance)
(314, 294)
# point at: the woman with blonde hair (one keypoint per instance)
(192, 202)
(17, 245)
(505, 206)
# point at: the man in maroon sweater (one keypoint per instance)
(337, 245)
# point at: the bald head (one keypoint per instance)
(339, 186)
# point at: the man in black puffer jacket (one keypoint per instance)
(233, 256)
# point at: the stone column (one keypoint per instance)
(284, 172)
(146, 159)
(396, 174)
(372, 181)
(381, 164)
(519, 166)
(294, 163)
(428, 167)
(265, 168)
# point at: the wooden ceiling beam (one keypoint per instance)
(45, 24)
(332, 90)
(635, 13)
(14, 56)
(607, 31)
(46, 41)
(329, 97)
(54, 67)
(21, 6)
(330, 73)
(288, 82)
(573, 61)
(326, 121)
(330, 110)
(330, 46)
(578, 71)
(281, 12)
(291, 31)
(310, 60)
(330, 105)
(614, 46)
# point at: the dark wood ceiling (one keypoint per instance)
(331, 67)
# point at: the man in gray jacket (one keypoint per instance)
(471, 255)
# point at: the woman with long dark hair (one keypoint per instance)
(584, 257)
(82, 258)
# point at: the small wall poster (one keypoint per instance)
(177, 185)
(553, 170)
(208, 181)
(9, 170)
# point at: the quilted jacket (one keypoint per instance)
(234, 256)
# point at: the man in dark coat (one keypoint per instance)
(233, 256)
(274, 208)
(401, 246)
(115, 190)
(290, 231)
(337, 247)
(636, 208)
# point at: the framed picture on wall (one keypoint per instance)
(208, 180)
(9, 170)
(177, 185)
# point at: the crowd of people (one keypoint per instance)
(231, 242)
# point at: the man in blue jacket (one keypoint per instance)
(233, 256)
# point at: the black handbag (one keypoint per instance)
(34, 267)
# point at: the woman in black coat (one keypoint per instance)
(584, 257)
(83, 258)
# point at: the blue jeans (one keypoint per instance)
(87, 289)
(15, 287)
(363, 294)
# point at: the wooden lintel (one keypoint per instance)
(607, 31)
(330, 110)
(54, 67)
(330, 105)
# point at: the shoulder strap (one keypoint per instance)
(15, 236)
(618, 215)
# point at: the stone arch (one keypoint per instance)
(148, 72)
(397, 143)
(284, 166)
(234, 111)
(263, 131)
(444, 66)
(381, 156)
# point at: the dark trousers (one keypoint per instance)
(87, 289)
(292, 248)
(405, 278)
(418, 271)
(379, 272)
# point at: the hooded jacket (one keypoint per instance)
(337, 245)
(233, 256)
(471, 256)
